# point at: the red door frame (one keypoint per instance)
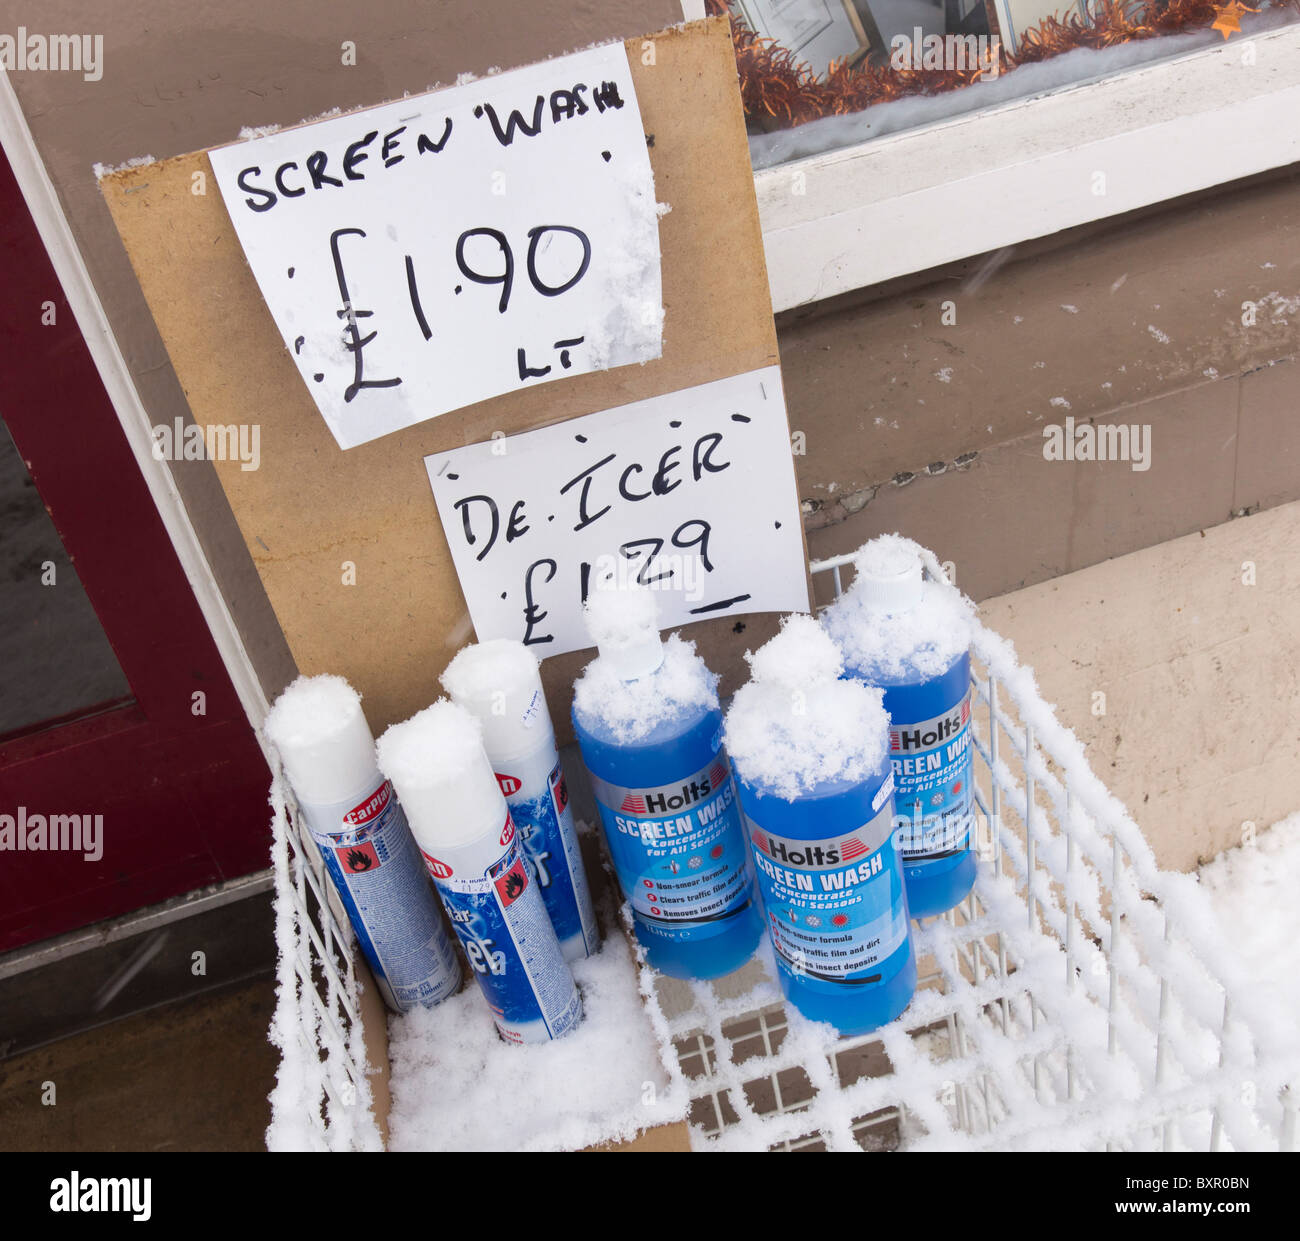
(183, 796)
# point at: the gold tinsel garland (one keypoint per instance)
(780, 92)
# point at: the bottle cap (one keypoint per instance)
(623, 621)
(890, 576)
(442, 776)
(499, 682)
(323, 740)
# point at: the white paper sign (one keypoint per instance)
(453, 246)
(692, 494)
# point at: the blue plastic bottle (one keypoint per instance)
(650, 729)
(911, 638)
(815, 782)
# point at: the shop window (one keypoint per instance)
(817, 75)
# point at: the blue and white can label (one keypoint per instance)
(535, 790)
(933, 803)
(835, 906)
(374, 862)
(679, 851)
(498, 914)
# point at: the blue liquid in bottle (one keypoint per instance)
(816, 787)
(666, 796)
(935, 836)
(903, 635)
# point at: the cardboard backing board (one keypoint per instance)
(310, 507)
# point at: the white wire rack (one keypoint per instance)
(1080, 998)
(322, 1097)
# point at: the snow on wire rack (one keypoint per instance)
(1079, 998)
(322, 1097)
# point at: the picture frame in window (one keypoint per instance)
(817, 32)
(1017, 16)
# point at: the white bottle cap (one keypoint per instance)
(499, 682)
(442, 777)
(890, 576)
(323, 739)
(624, 623)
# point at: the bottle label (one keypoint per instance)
(373, 860)
(538, 798)
(835, 907)
(679, 850)
(498, 913)
(933, 802)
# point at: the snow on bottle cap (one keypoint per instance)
(324, 741)
(442, 776)
(797, 725)
(890, 575)
(624, 624)
(499, 682)
(802, 654)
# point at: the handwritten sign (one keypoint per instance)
(691, 494)
(430, 253)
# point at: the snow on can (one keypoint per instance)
(499, 683)
(473, 852)
(358, 825)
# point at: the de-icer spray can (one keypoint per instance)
(355, 819)
(911, 638)
(472, 850)
(647, 718)
(812, 764)
(499, 683)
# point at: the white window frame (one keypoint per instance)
(913, 200)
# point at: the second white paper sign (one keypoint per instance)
(692, 494)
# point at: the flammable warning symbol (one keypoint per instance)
(357, 859)
(510, 886)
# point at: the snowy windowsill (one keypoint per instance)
(1090, 134)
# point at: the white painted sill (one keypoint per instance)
(913, 200)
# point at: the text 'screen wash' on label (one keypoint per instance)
(498, 913)
(375, 865)
(933, 801)
(834, 906)
(679, 851)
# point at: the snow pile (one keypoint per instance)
(457, 1086)
(498, 666)
(499, 682)
(442, 776)
(632, 328)
(795, 725)
(437, 746)
(312, 712)
(627, 711)
(800, 655)
(1253, 890)
(616, 616)
(908, 646)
